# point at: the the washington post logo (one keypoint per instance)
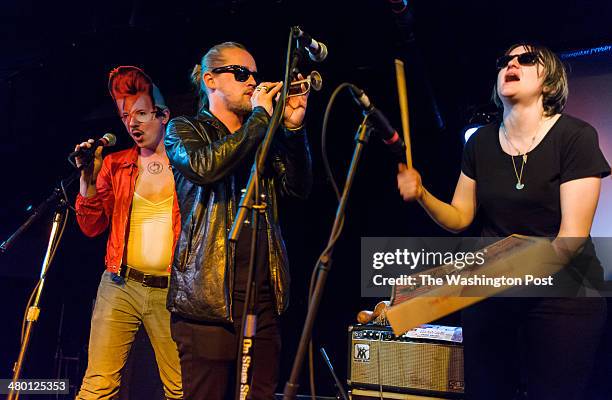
(362, 352)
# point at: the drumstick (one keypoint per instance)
(403, 102)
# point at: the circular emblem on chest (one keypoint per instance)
(155, 168)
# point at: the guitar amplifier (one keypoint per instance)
(425, 361)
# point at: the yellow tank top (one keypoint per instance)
(150, 236)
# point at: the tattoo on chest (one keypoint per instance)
(155, 168)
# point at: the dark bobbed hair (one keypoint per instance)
(555, 90)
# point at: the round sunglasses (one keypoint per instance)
(141, 116)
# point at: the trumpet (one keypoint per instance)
(313, 81)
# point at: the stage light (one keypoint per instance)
(469, 131)
(482, 115)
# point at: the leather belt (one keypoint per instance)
(156, 281)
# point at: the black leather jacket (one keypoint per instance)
(205, 156)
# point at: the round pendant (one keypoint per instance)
(519, 186)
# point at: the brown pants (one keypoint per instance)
(121, 307)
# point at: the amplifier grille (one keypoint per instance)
(407, 365)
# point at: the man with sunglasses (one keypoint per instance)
(133, 192)
(211, 154)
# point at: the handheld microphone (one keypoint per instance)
(317, 51)
(108, 140)
(389, 135)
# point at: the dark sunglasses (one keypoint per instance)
(241, 74)
(529, 58)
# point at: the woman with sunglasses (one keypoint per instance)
(536, 172)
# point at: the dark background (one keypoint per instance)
(53, 70)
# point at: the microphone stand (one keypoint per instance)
(341, 392)
(325, 262)
(252, 200)
(57, 200)
(38, 212)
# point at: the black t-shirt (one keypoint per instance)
(570, 150)
(243, 249)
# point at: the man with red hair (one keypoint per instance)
(133, 192)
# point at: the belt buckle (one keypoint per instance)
(146, 281)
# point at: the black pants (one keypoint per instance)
(548, 343)
(208, 351)
(208, 356)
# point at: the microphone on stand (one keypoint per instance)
(388, 134)
(317, 51)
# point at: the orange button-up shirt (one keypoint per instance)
(115, 187)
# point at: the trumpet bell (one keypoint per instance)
(313, 81)
(316, 81)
